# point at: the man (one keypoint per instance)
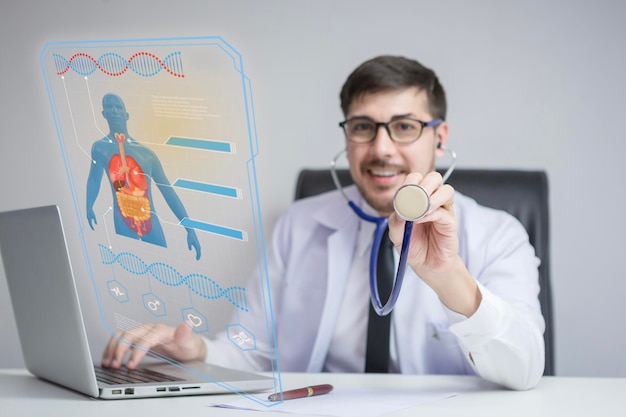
(469, 302)
(130, 168)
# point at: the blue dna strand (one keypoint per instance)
(166, 274)
(145, 64)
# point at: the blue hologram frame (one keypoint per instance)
(259, 236)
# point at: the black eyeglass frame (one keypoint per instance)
(377, 125)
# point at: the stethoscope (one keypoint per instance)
(411, 202)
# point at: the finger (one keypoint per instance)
(432, 182)
(164, 340)
(117, 355)
(443, 198)
(182, 333)
(127, 340)
(188, 343)
(413, 178)
(137, 353)
(178, 343)
(448, 206)
(396, 227)
(109, 349)
(150, 338)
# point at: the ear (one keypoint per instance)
(441, 136)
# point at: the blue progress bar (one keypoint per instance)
(207, 145)
(212, 228)
(207, 188)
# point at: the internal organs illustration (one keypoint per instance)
(131, 188)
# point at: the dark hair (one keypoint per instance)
(392, 73)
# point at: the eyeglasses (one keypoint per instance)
(402, 130)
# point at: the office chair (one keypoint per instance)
(524, 194)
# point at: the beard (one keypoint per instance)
(382, 205)
(380, 198)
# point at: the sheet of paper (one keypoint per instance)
(347, 402)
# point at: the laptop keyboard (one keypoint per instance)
(126, 376)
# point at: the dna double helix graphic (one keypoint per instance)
(145, 64)
(166, 274)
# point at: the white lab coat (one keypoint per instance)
(309, 262)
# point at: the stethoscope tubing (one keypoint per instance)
(381, 224)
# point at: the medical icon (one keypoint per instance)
(117, 291)
(241, 337)
(154, 304)
(195, 319)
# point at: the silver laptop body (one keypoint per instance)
(51, 328)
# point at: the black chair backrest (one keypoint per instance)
(524, 194)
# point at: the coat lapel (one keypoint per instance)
(340, 246)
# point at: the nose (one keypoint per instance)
(382, 143)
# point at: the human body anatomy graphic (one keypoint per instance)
(131, 168)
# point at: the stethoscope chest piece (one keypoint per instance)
(411, 202)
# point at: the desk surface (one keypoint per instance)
(23, 395)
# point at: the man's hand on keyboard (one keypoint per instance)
(179, 343)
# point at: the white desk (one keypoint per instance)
(22, 395)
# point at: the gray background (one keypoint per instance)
(531, 85)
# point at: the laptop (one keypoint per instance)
(51, 328)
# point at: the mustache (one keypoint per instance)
(381, 163)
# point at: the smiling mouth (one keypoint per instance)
(380, 172)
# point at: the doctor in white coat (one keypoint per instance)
(469, 304)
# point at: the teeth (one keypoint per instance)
(384, 173)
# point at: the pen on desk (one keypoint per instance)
(301, 392)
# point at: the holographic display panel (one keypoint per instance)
(159, 144)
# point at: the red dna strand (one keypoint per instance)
(145, 64)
